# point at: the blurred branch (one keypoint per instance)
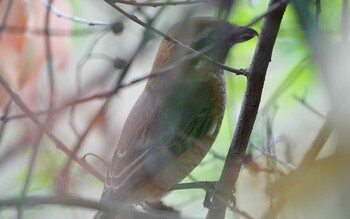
(72, 201)
(53, 32)
(73, 102)
(64, 173)
(75, 19)
(10, 153)
(278, 5)
(256, 78)
(308, 106)
(6, 16)
(96, 156)
(286, 83)
(59, 144)
(52, 102)
(345, 20)
(273, 156)
(294, 184)
(4, 123)
(307, 164)
(274, 7)
(242, 213)
(318, 11)
(175, 41)
(157, 4)
(319, 142)
(205, 185)
(333, 63)
(82, 61)
(106, 94)
(49, 64)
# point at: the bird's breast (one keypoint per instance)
(184, 163)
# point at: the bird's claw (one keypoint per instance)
(210, 188)
(210, 191)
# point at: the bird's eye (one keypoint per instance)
(213, 36)
(206, 40)
(198, 45)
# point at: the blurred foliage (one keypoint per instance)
(285, 127)
(292, 74)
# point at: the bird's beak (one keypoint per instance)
(241, 34)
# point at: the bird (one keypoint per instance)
(177, 117)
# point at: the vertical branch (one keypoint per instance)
(38, 137)
(318, 11)
(319, 143)
(6, 16)
(249, 110)
(3, 124)
(2, 27)
(48, 51)
(345, 20)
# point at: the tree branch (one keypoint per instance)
(175, 41)
(164, 3)
(249, 110)
(59, 144)
(72, 201)
(72, 18)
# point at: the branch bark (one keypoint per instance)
(255, 81)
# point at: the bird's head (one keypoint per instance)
(210, 35)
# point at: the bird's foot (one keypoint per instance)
(208, 200)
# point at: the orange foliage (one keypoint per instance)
(22, 55)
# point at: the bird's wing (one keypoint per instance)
(158, 129)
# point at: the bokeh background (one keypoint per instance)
(86, 58)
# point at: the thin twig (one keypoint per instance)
(4, 123)
(48, 55)
(64, 173)
(53, 32)
(13, 150)
(308, 106)
(274, 157)
(308, 160)
(144, 40)
(318, 11)
(76, 19)
(243, 213)
(72, 201)
(345, 20)
(30, 169)
(103, 95)
(52, 101)
(5, 17)
(95, 155)
(270, 10)
(59, 144)
(79, 67)
(195, 185)
(318, 143)
(175, 41)
(157, 4)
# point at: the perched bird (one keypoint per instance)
(177, 117)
